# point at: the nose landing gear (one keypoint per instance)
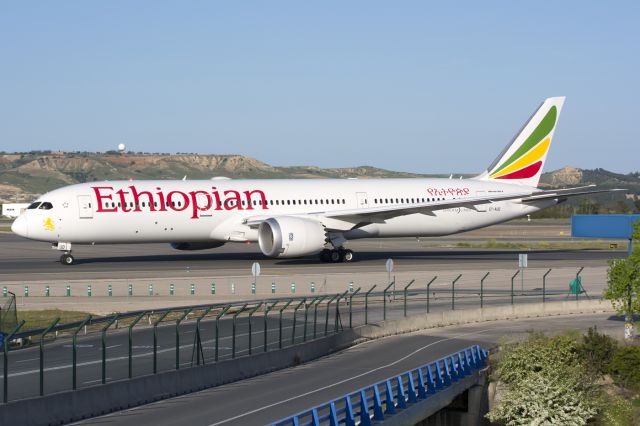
(66, 258)
(336, 255)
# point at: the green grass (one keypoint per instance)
(41, 319)
(541, 245)
(615, 411)
(5, 225)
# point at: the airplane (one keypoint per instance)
(296, 217)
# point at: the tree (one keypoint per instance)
(623, 284)
(588, 206)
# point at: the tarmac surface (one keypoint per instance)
(153, 269)
(256, 402)
(25, 260)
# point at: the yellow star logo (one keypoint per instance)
(48, 224)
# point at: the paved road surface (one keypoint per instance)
(24, 369)
(272, 396)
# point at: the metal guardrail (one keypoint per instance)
(378, 401)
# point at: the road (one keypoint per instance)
(24, 370)
(267, 398)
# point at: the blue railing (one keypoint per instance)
(382, 399)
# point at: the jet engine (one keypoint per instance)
(197, 246)
(289, 236)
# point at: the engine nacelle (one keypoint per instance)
(289, 236)
(197, 245)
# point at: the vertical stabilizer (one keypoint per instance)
(522, 160)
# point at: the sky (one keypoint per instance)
(427, 87)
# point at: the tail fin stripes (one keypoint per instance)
(522, 161)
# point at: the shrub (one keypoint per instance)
(597, 349)
(542, 399)
(547, 383)
(625, 367)
(539, 354)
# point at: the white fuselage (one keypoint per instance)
(212, 211)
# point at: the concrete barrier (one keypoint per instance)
(495, 313)
(71, 406)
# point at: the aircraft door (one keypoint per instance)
(362, 200)
(84, 207)
(203, 200)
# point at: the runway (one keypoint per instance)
(254, 402)
(23, 260)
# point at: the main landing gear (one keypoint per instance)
(336, 255)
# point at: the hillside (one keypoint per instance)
(25, 175)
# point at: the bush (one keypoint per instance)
(542, 399)
(547, 383)
(597, 349)
(539, 354)
(625, 367)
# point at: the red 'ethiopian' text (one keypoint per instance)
(131, 199)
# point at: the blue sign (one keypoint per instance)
(603, 225)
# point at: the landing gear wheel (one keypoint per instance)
(325, 255)
(336, 256)
(347, 255)
(67, 259)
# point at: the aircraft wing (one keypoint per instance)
(566, 193)
(346, 219)
(382, 213)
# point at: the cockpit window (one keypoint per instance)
(34, 205)
(45, 206)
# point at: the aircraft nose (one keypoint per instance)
(20, 227)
